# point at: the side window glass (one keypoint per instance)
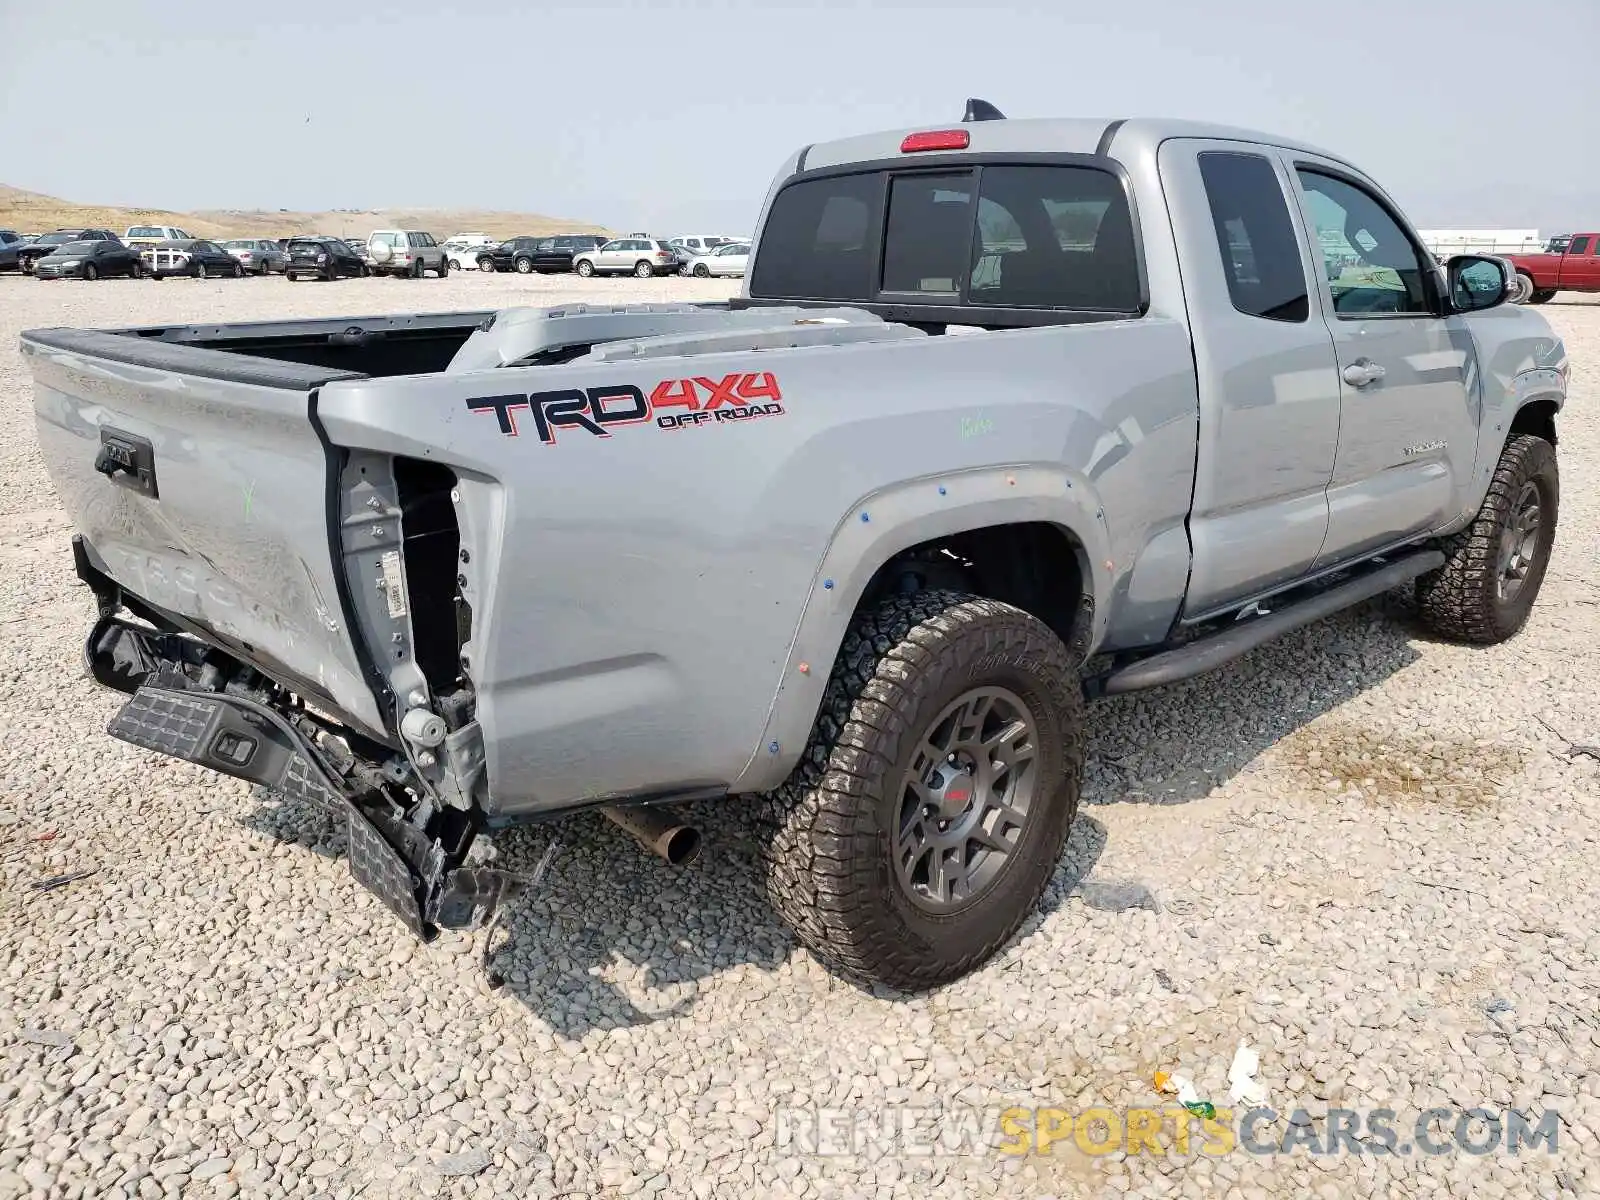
(1260, 253)
(1580, 245)
(1372, 266)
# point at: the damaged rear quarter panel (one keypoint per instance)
(640, 598)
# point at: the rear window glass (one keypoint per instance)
(815, 244)
(146, 231)
(1058, 237)
(1054, 237)
(929, 235)
(76, 248)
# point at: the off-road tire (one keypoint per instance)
(828, 829)
(1461, 600)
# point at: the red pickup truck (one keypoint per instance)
(1576, 270)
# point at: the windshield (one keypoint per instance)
(56, 239)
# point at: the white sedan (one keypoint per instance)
(727, 259)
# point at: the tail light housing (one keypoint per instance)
(936, 139)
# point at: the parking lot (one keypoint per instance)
(1366, 853)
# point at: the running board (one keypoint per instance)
(1212, 650)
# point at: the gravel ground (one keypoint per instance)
(1367, 853)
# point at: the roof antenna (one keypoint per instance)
(982, 110)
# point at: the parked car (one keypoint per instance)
(642, 257)
(1148, 456)
(195, 257)
(727, 259)
(324, 258)
(545, 255)
(11, 243)
(700, 243)
(406, 253)
(151, 235)
(261, 256)
(89, 260)
(31, 253)
(463, 249)
(1575, 269)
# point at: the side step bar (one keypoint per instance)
(1212, 650)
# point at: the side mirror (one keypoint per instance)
(1477, 282)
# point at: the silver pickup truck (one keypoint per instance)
(1010, 413)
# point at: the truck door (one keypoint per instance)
(1408, 419)
(1269, 392)
(1580, 266)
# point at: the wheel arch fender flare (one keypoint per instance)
(885, 524)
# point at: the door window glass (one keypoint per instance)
(1373, 267)
(1256, 238)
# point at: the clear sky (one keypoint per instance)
(672, 117)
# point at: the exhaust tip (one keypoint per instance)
(682, 845)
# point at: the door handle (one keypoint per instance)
(1363, 372)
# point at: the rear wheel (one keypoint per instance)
(934, 799)
(643, 270)
(585, 268)
(524, 266)
(444, 268)
(290, 276)
(1495, 566)
(136, 270)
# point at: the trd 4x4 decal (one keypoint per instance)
(597, 410)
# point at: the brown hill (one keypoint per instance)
(30, 212)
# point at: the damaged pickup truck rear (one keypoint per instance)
(1010, 414)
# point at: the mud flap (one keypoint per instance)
(251, 741)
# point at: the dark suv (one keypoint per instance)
(323, 258)
(34, 251)
(527, 254)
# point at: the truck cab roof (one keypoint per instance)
(1058, 135)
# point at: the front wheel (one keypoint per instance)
(585, 268)
(199, 270)
(934, 799)
(91, 272)
(702, 271)
(237, 272)
(444, 268)
(524, 266)
(643, 270)
(1495, 566)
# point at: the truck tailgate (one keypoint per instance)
(199, 481)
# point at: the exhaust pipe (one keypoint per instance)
(658, 831)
